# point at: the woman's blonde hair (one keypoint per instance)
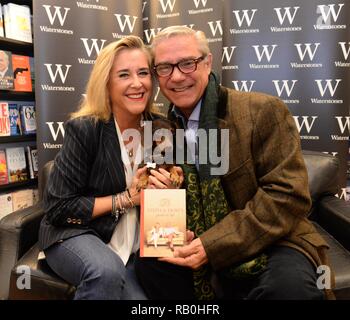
(97, 104)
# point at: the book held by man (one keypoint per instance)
(162, 222)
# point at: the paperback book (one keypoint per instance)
(6, 70)
(16, 164)
(4, 119)
(21, 73)
(162, 222)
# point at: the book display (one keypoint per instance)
(18, 152)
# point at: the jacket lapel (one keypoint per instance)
(113, 154)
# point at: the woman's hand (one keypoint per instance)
(161, 179)
(134, 192)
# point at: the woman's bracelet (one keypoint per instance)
(121, 202)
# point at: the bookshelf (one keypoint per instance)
(21, 48)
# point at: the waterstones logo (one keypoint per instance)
(306, 50)
(123, 22)
(306, 122)
(286, 15)
(167, 6)
(226, 57)
(243, 85)
(265, 53)
(343, 195)
(56, 130)
(204, 8)
(344, 128)
(55, 73)
(244, 17)
(215, 28)
(345, 47)
(56, 16)
(150, 33)
(330, 86)
(329, 14)
(144, 3)
(91, 45)
(93, 4)
(286, 87)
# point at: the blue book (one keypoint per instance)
(28, 119)
(15, 122)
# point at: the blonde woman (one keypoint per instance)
(90, 232)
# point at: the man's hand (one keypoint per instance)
(192, 255)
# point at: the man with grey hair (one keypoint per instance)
(250, 238)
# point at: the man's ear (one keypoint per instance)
(209, 62)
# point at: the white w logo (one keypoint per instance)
(346, 52)
(245, 16)
(285, 86)
(156, 94)
(328, 86)
(59, 72)
(286, 14)
(345, 125)
(217, 27)
(196, 3)
(94, 45)
(305, 122)
(122, 24)
(265, 51)
(243, 86)
(306, 50)
(60, 129)
(57, 13)
(167, 4)
(149, 33)
(327, 9)
(226, 54)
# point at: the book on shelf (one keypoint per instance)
(28, 118)
(17, 22)
(22, 199)
(162, 221)
(5, 204)
(21, 73)
(32, 71)
(2, 34)
(32, 156)
(3, 168)
(4, 119)
(16, 164)
(6, 70)
(15, 120)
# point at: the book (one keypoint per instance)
(21, 73)
(162, 221)
(4, 119)
(6, 70)
(5, 205)
(22, 199)
(2, 33)
(3, 168)
(17, 22)
(16, 164)
(32, 72)
(32, 156)
(28, 118)
(15, 121)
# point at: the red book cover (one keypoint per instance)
(4, 119)
(21, 73)
(3, 168)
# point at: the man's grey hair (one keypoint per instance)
(182, 31)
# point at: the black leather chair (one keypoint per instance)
(18, 237)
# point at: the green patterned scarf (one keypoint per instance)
(206, 201)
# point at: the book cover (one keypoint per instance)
(3, 168)
(21, 73)
(22, 199)
(4, 119)
(19, 22)
(28, 119)
(15, 122)
(5, 205)
(32, 156)
(2, 33)
(162, 221)
(16, 164)
(6, 70)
